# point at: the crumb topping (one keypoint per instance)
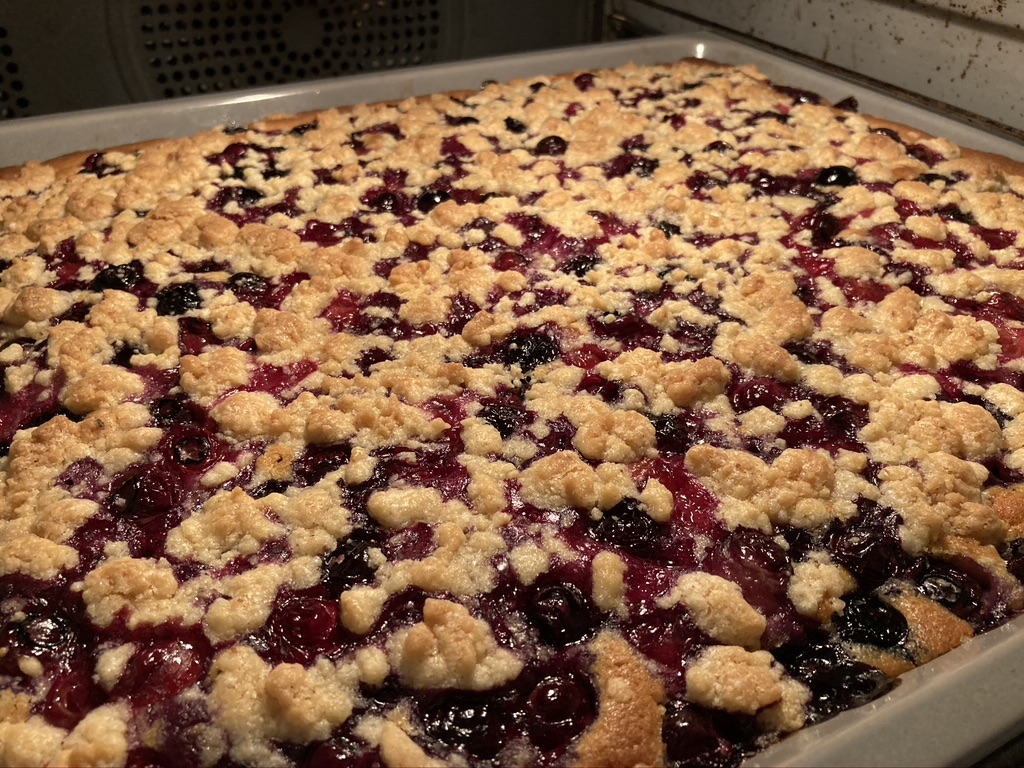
(576, 420)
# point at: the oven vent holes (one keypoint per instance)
(207, 46)
(13, 101)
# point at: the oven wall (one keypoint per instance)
(965, 53)
(66, 55)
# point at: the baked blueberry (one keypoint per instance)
(870, 620)
(551, 145)
(430, 199)
(561, 613)
(178, 299)
(836, 176)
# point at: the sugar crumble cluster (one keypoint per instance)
(628, 417)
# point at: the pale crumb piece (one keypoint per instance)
(817, 586)
(718, 608)
(245, 415)
(627, 730)
(247, 598)
(730, 678)
(30, 666)
(35, 556)
(609, 434)
(704, 380)
(375, 419)
(31, 743)
(900, 432)
(58, 521)
(111, 664)
(480, 438)
(765, 302)
(755, 353)
(1006, 398)
(33, 305)
(798, 409)
(100, 386)
(485, 329)
(208, 376)
(609, 572)
(100, 739)
(360, 608)
(529, 561)
(761, 422)
(218, 474)
(461, 564)
(488, 482)
(564, 480)
(14, 707)
(315, 518)
(257, 704)
(790, 713)
(450, 648)
(941, 498)
(373, 665)
(359, 468)
(404, 507)
(145, 589)
(799, 488)
(397, 749)
(230, 524)
(855, 262)
(904, 329)
(658, 501)
(1008, 505)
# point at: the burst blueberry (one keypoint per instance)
(120, 277)
(870, 620)
(178, 299)
(561, 614)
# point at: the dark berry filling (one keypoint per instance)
(178, 299)
(835, 680)
(836, 176)
(560, 707)
(349, 565)
(551, 145)
(628, 526)
(122, 277)
(561, 613)
(529, 349)
(869, 619)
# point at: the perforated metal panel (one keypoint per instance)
(13, 99)
(66, 55)
(203, 46)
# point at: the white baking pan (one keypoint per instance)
(39, 138)
(953, 711)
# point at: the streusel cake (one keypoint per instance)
(633, 417)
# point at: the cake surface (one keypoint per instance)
(633, 417)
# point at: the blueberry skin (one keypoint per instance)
(551, 145)
(836, 176)
(870, 620)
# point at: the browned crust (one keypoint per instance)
(627, 731)
(977, 161)
(1008, 504)
(934, 630)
